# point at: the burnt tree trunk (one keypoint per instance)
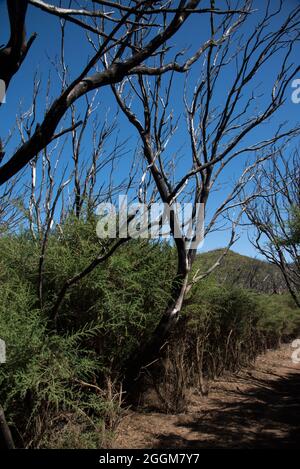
(150, 351)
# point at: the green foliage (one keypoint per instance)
(60, 388)
(242, 271)
(223, 322)
(43, 370)
(102, 319)
(125, 296)
(280, 319)
(223, 328)
(293, 231)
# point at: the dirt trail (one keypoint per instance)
(257, 408)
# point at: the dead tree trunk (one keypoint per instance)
(150, 351)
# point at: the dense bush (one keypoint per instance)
(62, 388)
(222, 329)
(43, 378)
(102, 319)
(237, 324)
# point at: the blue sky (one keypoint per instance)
(46, 49)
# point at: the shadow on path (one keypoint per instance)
(264, 416)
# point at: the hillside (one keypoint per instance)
(243, 271)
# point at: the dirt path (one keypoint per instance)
(258, 408)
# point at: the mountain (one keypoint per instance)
(243, 271)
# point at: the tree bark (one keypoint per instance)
(13, 54)
(150, 351)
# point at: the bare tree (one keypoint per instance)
(13, 54)
(133, 58)
(116, 48)
(275, 216)
(56, 190)
(116, 32)
(218, 136)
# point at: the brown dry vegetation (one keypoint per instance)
(257, 407)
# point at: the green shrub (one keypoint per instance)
(102, 319)
(60, 388)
